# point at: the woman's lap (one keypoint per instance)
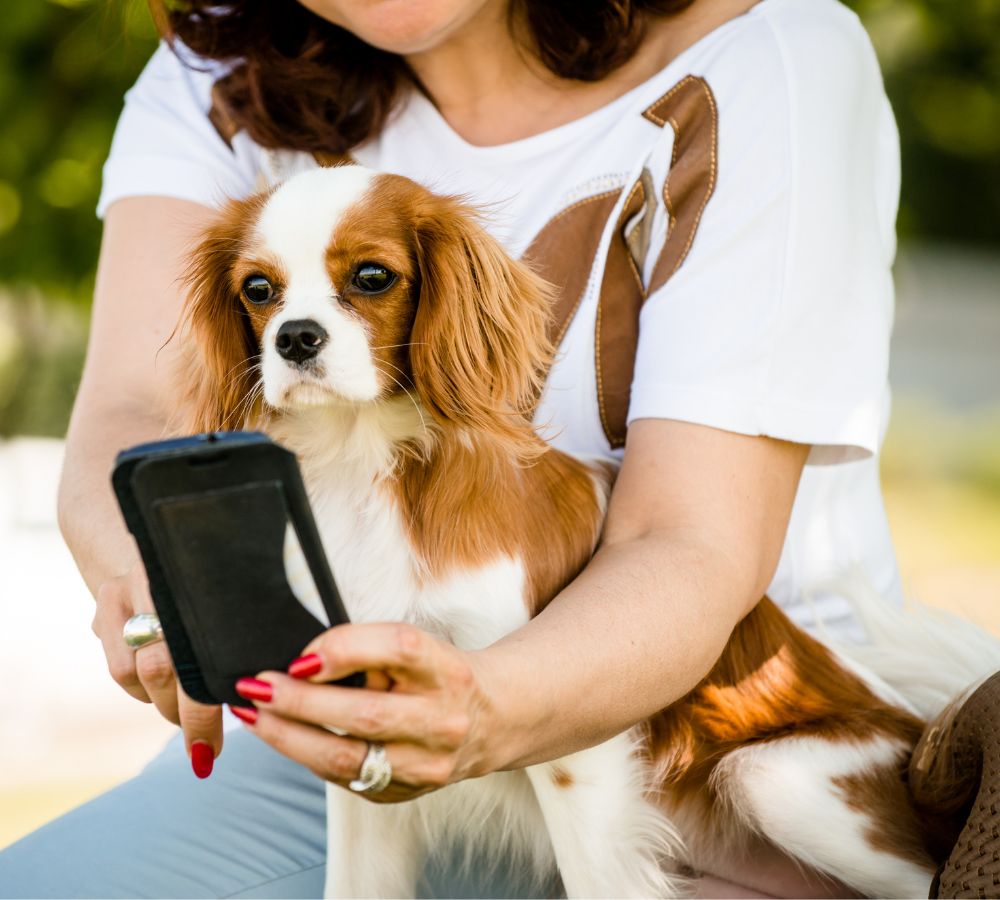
(258, 822)
(255, 828)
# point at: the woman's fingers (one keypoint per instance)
(156, 674)
(338, 759)
(428, 715)
(202, 726)
(112, 609)
(368, 714)
(107, 625)
(405, 652)
(147, 673)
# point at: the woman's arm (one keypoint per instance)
(694, 532)
(125, 398)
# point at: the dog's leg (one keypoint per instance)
(840, 806)
(609, 841)
(373, 850)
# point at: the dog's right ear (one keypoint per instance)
(219, 381)
(480, 345)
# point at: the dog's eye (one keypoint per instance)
(373, 279)
(257, 289)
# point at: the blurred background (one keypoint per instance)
(64, 66)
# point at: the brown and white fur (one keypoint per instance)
(410, 411)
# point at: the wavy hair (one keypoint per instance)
(299, 82)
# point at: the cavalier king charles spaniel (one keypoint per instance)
(377, 330)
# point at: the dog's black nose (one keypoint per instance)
(300, 339)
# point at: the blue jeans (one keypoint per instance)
(255, 828)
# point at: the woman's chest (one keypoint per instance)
(571, 213)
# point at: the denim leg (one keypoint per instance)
(255, 828)
(257, 824)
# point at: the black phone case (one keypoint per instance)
(209, 514)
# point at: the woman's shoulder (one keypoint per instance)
(179, 75)
(167, 141)
(786, 41)
(789, 77)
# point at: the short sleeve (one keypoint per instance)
(777, 320)
(164, 143)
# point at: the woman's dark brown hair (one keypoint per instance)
(300, 82)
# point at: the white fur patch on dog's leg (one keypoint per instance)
(797, 793)
(609, 841)
(373, 850)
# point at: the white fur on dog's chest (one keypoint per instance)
(378, 573)
(380, 577)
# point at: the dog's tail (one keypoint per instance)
(926, 655)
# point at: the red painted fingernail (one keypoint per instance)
(202, 759)
(305, 666)
(254, 689)
(242, 712)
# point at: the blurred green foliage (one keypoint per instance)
(64, 65)
(941, 60)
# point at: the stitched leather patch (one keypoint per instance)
(221, 121)
(329, 160)
(616, 333)
(690, 109)
(563, 248)
(563, 253)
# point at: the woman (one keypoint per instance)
(759, 395)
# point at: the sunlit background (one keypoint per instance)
(67, 732)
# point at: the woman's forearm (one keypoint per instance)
(126, 389)
(688, 550)
(640, 627)
(88, 514)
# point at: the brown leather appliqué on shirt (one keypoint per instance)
(691, 110)
(330, 160)
(563, 253)
(222, 122)
(564, 250)
(616, 332)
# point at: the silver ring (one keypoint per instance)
(142, 629)
(376, 771)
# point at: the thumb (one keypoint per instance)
(202, 727)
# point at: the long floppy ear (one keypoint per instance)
(220, 378)
(480, 348)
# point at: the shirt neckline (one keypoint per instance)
(427, 114)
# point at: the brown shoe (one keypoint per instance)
(955, 778)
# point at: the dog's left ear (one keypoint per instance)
(480, 347)
(220, 379)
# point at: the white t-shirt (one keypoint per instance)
(776, 319)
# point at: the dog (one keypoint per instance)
(377, 330)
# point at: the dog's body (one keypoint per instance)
(589, 808)
(408, 399)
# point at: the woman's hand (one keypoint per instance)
(148, 673)
(424, 700)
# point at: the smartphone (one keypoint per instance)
(217, 518)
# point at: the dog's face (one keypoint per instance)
(346, 286)
(327, 276)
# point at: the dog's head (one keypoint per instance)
(343, 286)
